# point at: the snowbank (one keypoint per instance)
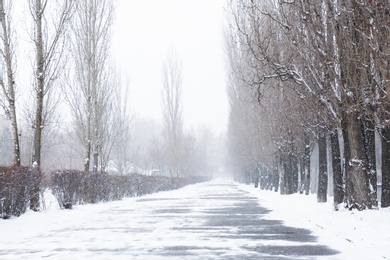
(356, 234)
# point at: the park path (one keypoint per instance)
(213, 220)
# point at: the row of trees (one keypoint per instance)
(185, 153)
(312, 76)
(71, 42)
(78, 115)
(73, 73)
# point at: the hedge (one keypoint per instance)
(19, 190)
(20, 187)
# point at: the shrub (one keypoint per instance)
(65, 186)
(19, 189)
(72, 187)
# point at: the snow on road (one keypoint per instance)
(355, 234)
(214, 220)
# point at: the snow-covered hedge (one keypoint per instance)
(72, 187)
(19, 189)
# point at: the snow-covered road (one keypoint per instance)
(214, 220)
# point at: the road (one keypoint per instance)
(214, 220)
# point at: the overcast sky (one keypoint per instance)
(143, 32)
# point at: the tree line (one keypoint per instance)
(70, 41)
(310, 80)
(77, 108)
(76, 115)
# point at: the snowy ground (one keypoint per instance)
(356, 234)
(215, 220)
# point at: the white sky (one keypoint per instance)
(143, 32)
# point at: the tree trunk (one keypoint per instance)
(385, 199)
(96, 156)
(306, 165)
(87, 159)
(261, 176)
(356, 177)
(282, 175)
(10, 94)
(275, 176)
(314, 169)
(289, 178)
(294, 169)
(88, 130)
(256, 177)
(289, 174)
(338, 183)
(36, 160)
(329, 162)
(15, 134)
(369, 150)
(322, 174)
(301, 174)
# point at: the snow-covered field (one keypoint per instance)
(175, 222)
(356, 234)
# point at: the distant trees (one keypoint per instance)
(198, 155)
(119, 140)
(327, 60)
(180, 153)
(172, 109)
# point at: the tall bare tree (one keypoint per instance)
(114, 129)
(8, 87)
(93, 89)
(172, 109)
(50, 20)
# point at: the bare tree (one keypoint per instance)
(116, 123)
(8, 87)
(156, 153)
(172, 111)
(122, 126)
(48, 38)
(92, 91)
